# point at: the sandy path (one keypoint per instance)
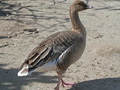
(98, 68)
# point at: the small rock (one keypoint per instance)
(4, 45)
(99, 36)
(15, 34)
(98, 63)
(93, 65)
(77, 71)
(117, 55)
(35, 32)
(9, 36)
(107, 16)
(85, 76)
(27, 33)
(30, 30)
(111, 68)
(95, 58)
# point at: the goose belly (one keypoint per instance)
(50, 66)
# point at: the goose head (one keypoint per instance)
(78, 6)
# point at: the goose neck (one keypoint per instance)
(76, 23)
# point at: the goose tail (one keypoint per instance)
(25, 70)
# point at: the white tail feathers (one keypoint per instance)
(24, 71)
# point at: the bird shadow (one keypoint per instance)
(10, 81)
(98, 84)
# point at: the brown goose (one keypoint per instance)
(58, 51)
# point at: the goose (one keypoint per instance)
(58, 51)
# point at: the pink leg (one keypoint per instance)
(59, 78)
(67, 84)
(64, 84)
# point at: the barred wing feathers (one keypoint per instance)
(51, 49)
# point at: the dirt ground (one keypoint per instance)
(97, 69)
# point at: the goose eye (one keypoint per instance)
(79, 3)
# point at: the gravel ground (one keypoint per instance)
(97, 69)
